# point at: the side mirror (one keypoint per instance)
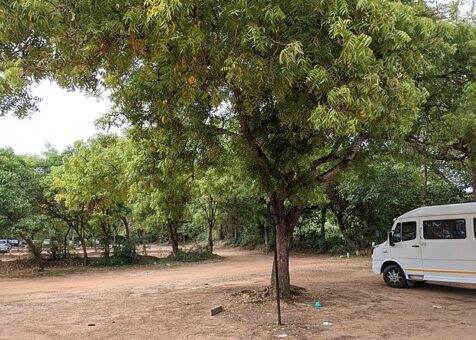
(390, 239)
(373, 244)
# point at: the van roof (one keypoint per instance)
(438, 210)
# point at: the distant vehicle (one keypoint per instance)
(5, 246)
(14, 243)
(46, 242)
(435, 243)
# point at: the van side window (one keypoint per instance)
(444, 229)
(397, 233)
(408, 231)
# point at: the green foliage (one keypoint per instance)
(125, 252)
(312, 239)
(193, 255)
(19, 197)
(160, 172)
(240, 102)
(250, 236)
(369, 198)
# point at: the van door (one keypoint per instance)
(407, 249)
(447, 249)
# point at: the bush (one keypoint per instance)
(312, 240)
(125, 252)
(250, 241)
(54, 250)
(199, 253)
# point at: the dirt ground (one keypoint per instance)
(175, 302)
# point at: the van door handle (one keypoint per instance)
(415, 246)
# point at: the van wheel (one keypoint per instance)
(394, 277)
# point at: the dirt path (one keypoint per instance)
(174, 303)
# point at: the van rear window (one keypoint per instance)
(444, 229)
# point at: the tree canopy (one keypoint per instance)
(296, 90)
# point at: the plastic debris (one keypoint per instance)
(327, 323)
(281, 335)
(318, 304)
(437, 307)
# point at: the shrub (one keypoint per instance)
(196, 254)
(125, 252)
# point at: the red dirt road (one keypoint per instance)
(174, 303)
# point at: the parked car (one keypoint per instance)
(14, 243)
(5, 246)
(435, 243)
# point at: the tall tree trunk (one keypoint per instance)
(323, 222)
(35, 251)
(211, 211)
(210, 237)
(172, 226)
(79, 229)
(106, 234)
(285, 224)
(85, 250)
(221, 235)
(65, 245)
(341, 224)
(265, 230)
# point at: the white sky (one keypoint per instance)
(63, 118)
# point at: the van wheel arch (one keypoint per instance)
(394, 276)
(389, 263)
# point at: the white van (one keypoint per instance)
(435, 243)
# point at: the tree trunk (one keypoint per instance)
(65, 245)
(106, 249)
(222, 235)
(210, 237)
(323, 222)
(35, 251)
(265, 230)
(285, 224)
(342, 228)
(78, 231)
(85, 250)
(106, 234)
(172, 226)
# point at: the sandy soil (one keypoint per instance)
(174, 303)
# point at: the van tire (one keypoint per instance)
(394, 277)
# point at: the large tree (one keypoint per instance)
(160, 170)
(92, 183)
(445, 131)
(299, 86)
(20, 194)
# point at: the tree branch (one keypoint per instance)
(443, 153)
(346, 161)
(263, 160)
